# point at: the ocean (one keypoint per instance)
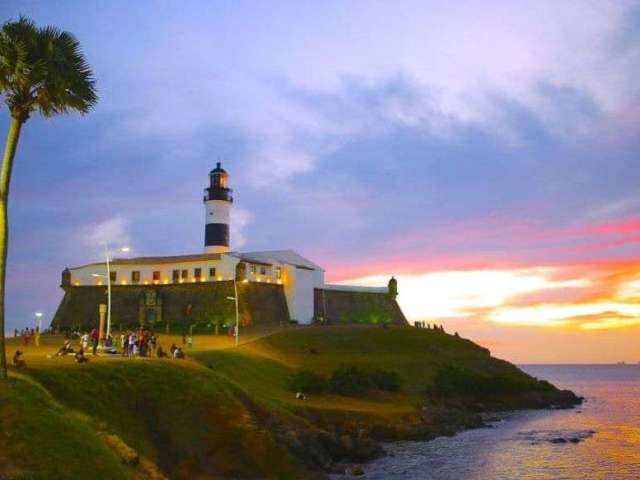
(598, 440)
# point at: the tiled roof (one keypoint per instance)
(283, 256)
(202, 257)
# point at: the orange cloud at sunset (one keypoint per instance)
(570, 299)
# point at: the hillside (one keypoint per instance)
(229, 413)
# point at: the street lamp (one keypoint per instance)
(39, 321)
(235, 298)
(107, 256)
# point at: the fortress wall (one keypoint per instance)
(260, 303)
(344, 306)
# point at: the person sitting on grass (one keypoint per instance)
(178, 353)
(160, 353)
(65, 349)
(173, 349)
(79, 356)
(108, 346)
(18, 360)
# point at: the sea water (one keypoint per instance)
(597, 440)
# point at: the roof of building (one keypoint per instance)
(218, 169)
(283, 256)
(159, 260)
(267, 257)
(354, 288)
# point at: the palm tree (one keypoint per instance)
(41, 69)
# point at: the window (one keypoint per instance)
(253, 269)
(263, 270)
(135, 277)
(156, 276)
(113, 276)
(175, 276)
(185, 274)
(212, 272)
(197, 272)
(278, 273)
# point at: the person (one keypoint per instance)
(132, 342)
(153, 342)
(123, 344)
(173, 349)
(95, 336)
(65, 349)
(190, 342)
(79, 356)
(160, 353)
(18, 360)
(37, 337)
(178, 353)
(84, 341)
(184, 339)
(108, 345)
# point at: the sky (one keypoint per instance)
(486, 153)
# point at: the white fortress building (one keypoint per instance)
(150, 289)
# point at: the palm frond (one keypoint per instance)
(43, 69)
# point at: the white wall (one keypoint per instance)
(217, 211)
(225, 270)
(299, 284)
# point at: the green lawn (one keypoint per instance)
(225, 412)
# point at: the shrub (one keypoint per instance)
(458, 381)
(385, 380)
(307, 381)
(350, 381)
(353, 381)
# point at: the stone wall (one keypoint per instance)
(260, 303)
(342, 307)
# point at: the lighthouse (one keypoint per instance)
(217, 206)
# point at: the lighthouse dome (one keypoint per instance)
(218, 170)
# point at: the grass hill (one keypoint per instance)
(231, 413)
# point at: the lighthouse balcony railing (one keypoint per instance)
(218, 194)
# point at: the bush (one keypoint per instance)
(353, 381)
(385, 380)
(458, 381)
(350, 381)
(307, 381)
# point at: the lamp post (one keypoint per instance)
(107, 256)
(38, 328)
(235, 298)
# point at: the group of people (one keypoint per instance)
(139, 343)
(67, 349)
(132, 344)
(27, 335)
(427, 326)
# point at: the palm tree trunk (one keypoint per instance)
(5, 178)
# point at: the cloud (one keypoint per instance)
(583, 297)
(240, 218)
(112, 232)
(372, 68)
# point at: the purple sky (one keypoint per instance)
(373, 137)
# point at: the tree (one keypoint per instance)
(43, 70)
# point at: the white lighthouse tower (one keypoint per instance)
(217, 205)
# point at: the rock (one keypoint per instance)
(558, 440)
(355, 470)
(127, 454)
(575, 440)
